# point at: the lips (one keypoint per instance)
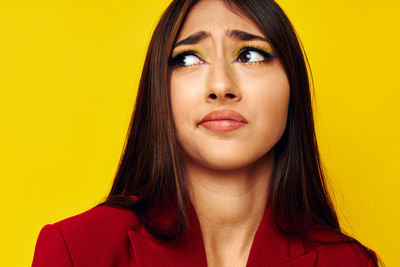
(225, 120)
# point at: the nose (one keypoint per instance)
(221, 85)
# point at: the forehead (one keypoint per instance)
(215, 17)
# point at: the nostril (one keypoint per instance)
(213, 96)
(230, 95)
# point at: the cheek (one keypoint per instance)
(181, 97)
(269, 96)
(269, 104)
(275, 101)
(185, 95)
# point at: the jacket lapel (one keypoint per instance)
(269, 248)
(272, 248)
(187, 252)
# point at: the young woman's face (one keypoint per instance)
(223, 67)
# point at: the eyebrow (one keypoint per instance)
(244, 36)
(233, 34)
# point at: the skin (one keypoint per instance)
(228, 173)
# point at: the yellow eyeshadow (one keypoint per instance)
(265, 49)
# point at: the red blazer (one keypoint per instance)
(107, 236)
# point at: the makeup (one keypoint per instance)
(178, 58)
(225, 120)
(264, 51)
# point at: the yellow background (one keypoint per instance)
(68, 77)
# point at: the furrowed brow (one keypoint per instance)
(244, 36)
(193, 38)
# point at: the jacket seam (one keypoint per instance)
(65, 244)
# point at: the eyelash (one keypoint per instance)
(265, 52)
(174, 60)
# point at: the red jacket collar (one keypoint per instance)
(269, 247)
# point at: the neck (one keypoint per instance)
(229, 205)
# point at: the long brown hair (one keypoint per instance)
(151, 168)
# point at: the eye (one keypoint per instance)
(186, 59)
(252, 54)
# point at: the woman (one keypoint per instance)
(221, 165)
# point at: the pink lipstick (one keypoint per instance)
(225, 120)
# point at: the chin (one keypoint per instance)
(231, 161)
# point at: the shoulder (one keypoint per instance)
(99, 219)
(333, 250)
(97, 225)
(99, 233)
